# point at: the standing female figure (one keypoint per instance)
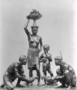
(35, 46)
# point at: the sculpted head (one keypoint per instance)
(46, 48)
(34, 29)
(58, 60)
(23, 59)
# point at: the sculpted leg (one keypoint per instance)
(45, 73)
(8, 83)
(31, 74)
(38, 73)
(73, 81)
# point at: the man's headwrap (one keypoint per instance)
(59, 58)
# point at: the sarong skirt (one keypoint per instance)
(33, 57)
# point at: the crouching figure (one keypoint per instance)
(65, 74)
(14, 71)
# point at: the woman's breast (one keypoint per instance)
(34, 41)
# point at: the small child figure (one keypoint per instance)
(46, 59)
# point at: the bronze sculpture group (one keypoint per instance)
(65, 74)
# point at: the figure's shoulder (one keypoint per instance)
(42, 54)
(16, 64)
(70, 67)
(12, 66)
(39, 37)
(49, 54)
(65, 65)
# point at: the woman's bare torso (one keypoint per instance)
(34, 41)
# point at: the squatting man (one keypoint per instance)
(14, 71)
(65, 74)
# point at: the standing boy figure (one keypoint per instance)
(46, 59)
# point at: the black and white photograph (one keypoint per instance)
(38, 44)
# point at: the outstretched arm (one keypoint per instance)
(58, 77)
(26, 79)
(16, 72)
(22, 76)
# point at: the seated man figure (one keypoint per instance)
(66, 74)
(15, 71)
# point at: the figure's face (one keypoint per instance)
(24, 62)
(57, 62)
(34, 30)
(45, 50)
